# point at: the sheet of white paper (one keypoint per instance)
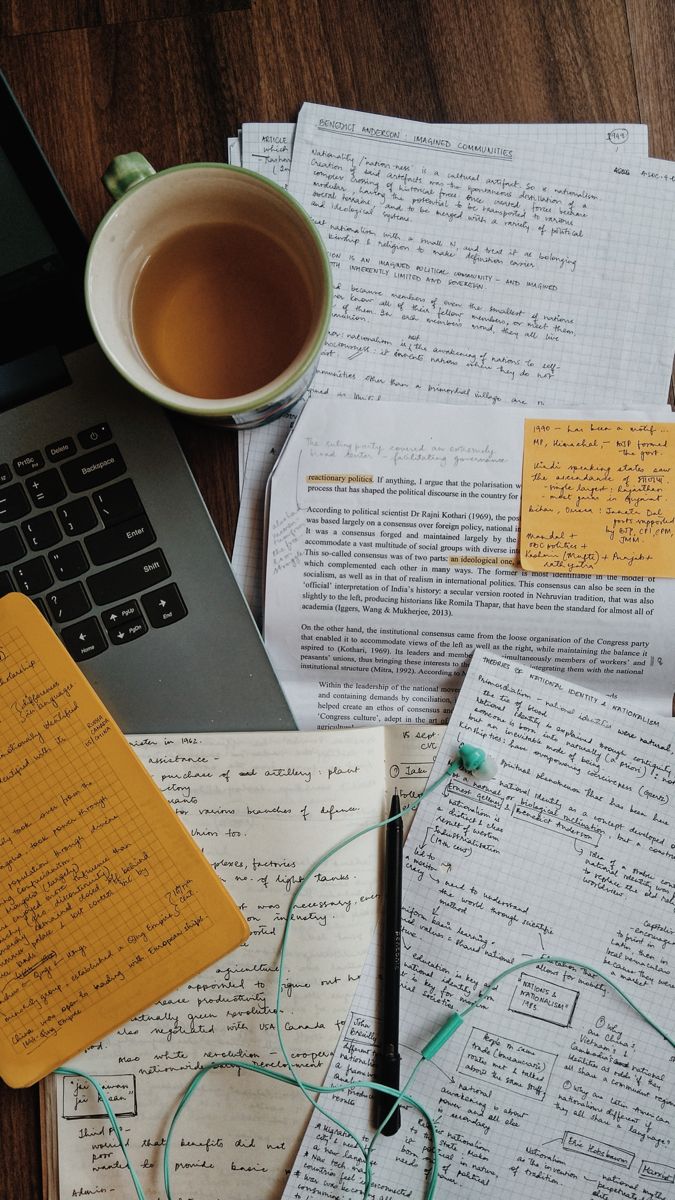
(263, 807)
(268, 149)
(392, 556)
(552, 1087)
(234, 159)
(474, 270)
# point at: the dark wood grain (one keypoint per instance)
(652, 32)
(46, 16)
(20, 1156)
(173, 78)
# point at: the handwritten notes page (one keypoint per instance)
(263, 807)
(267, 147)
(106, 903)
(553, 1086)
(486, 271)
(392, 555)
(410, 357)
(598, 496)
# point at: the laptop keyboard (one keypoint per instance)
(74, 537)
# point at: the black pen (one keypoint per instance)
(390, 1059)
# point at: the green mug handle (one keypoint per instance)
(124, 172)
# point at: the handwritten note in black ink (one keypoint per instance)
(106, 903)
(598, 498)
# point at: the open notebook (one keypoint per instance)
(263, 806)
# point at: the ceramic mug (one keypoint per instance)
(157, 215)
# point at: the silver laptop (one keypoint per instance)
(101, 522)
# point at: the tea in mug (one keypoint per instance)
(220, 310)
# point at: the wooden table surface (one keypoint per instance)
(174, 78)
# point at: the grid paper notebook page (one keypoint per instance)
(498, 273)
(106, 903)
(269, 152)
(553, 1086)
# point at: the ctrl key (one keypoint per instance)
(84, 639)
(164, 606)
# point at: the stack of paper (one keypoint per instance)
(553, 1086)
(497, 291)
(393, 555)
(509, 269)
(496, 288)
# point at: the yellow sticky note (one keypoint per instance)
(106, 902)
(598, 498)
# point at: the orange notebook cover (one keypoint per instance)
(106, 902)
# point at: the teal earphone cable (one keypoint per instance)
(455, 1019)
(242, 1065)
(570, 962)
(351, 1085)
(433, 1176)
(472, 760)
(341, 845)
(452, 768)
(309, 1090)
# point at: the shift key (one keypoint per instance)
(134, 575)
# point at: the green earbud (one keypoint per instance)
(475, 761)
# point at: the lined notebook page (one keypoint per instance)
(106, 903)
(553, 1086)
(263, 806)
